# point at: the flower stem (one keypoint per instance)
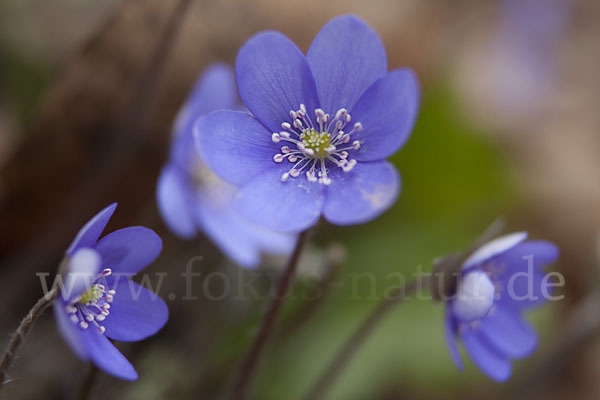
(19, 336)
(349, 349)
(247, 370)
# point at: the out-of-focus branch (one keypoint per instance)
(335, 258)
(101, 178)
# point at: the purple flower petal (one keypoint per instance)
(274, 78)
(289, 206)
(522, 290)
(540, 252)
(135, 313)
(450, 334)
(362, 194)
(175, 202)
(522, 281)
(106, 356)
(494, 248)
(224, 230)
(215, 90)
(508, 333)
(84, 265)
(387, 112)
(129, 250)
(89, 234)
(69, 331)
(240, 239)
(486, 358)
(234, 145)
(346, 57)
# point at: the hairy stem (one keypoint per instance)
(18, 337)
(349, 349)
(247, 370)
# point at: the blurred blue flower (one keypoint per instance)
(321, 128)
(97, 301)
(499, 281)
(191, 198)
(524, 60)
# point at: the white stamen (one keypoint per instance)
(318, 146)
(91, 307)
(340, 113)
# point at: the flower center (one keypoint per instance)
(92, 306)
(314, 147)
(317, 142)
(475, 296)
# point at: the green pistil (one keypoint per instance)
(92, 294)
(316, 142)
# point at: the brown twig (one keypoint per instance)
(348, 350)
(247, 370)
(335, 258)
(21, 333)
(128, 139)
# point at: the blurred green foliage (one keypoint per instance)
(22, 82)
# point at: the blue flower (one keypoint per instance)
(320, 128)
(97, 301)
(497, 283)
(191, 198)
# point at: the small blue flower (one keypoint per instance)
(497, 283)
(97, 300)
(191, 198)
(321, 128)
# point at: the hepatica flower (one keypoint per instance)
(497, 283)
(191, 198)
(97, 300)
(320, 128)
